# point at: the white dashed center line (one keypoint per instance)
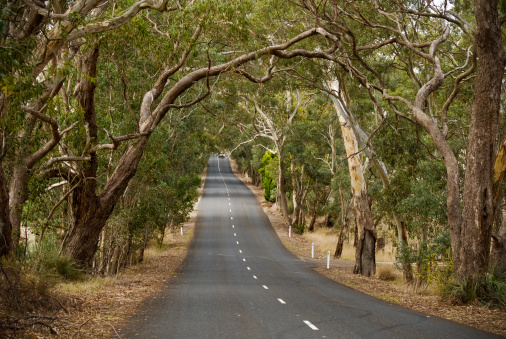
(237, 242)
(265, 287)
(281, 301)
(230, 211)
(311, 326)
(235, 235)
(233, 226)
(249, 269)
(255, 277)
(240, 251)
(243, 259)
(231, 218)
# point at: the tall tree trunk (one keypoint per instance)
(5, 222)
(18, 195)
(298, 184)
(281, 188)
(81, 241)
(344, 224)
(365, 262)
(478, 214)
(498, 253)
(407, 272)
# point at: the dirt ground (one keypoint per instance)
(98, 308)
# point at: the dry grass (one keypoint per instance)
(387, 273)
(324, 240)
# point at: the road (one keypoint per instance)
(240, 282)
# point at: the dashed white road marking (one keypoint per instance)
(237, 242)
(255, 277)
(233, 226)
(311, 326)
(231, 218)
(249, 269)
(230, 211)
(240, 251)
(265, 287)
(229, 204)
(281, 301)
(235, 235)
(243, 259)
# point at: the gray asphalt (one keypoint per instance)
(240, 282)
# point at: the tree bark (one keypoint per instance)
(281, 188)
(344, 224)
(365, 262)
(89, 215)
(5, 222)
(498, 253)
(365, 250)
(478, 214)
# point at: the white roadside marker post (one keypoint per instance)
(289, 231)
(328, 260)
(312, 250)
(181, 225)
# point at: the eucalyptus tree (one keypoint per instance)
(38, 44)
(439, 44)
(92, 209)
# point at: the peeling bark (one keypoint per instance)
(365, 262)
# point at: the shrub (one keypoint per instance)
(488, 289)
(386, 273)
(299, 229)
(44, 258)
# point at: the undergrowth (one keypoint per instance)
(488, 289)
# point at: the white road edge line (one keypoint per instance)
(281, 301)
(313, 327)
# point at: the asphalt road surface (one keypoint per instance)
(240, 282)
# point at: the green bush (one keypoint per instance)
(63, 266)
(488, 289)
(299, 229)
(45, 259)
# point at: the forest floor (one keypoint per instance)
(426, 301)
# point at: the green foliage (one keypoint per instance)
(433, 259)
(299, 229)
(267, 178)
(488, 289)
(45, 259)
